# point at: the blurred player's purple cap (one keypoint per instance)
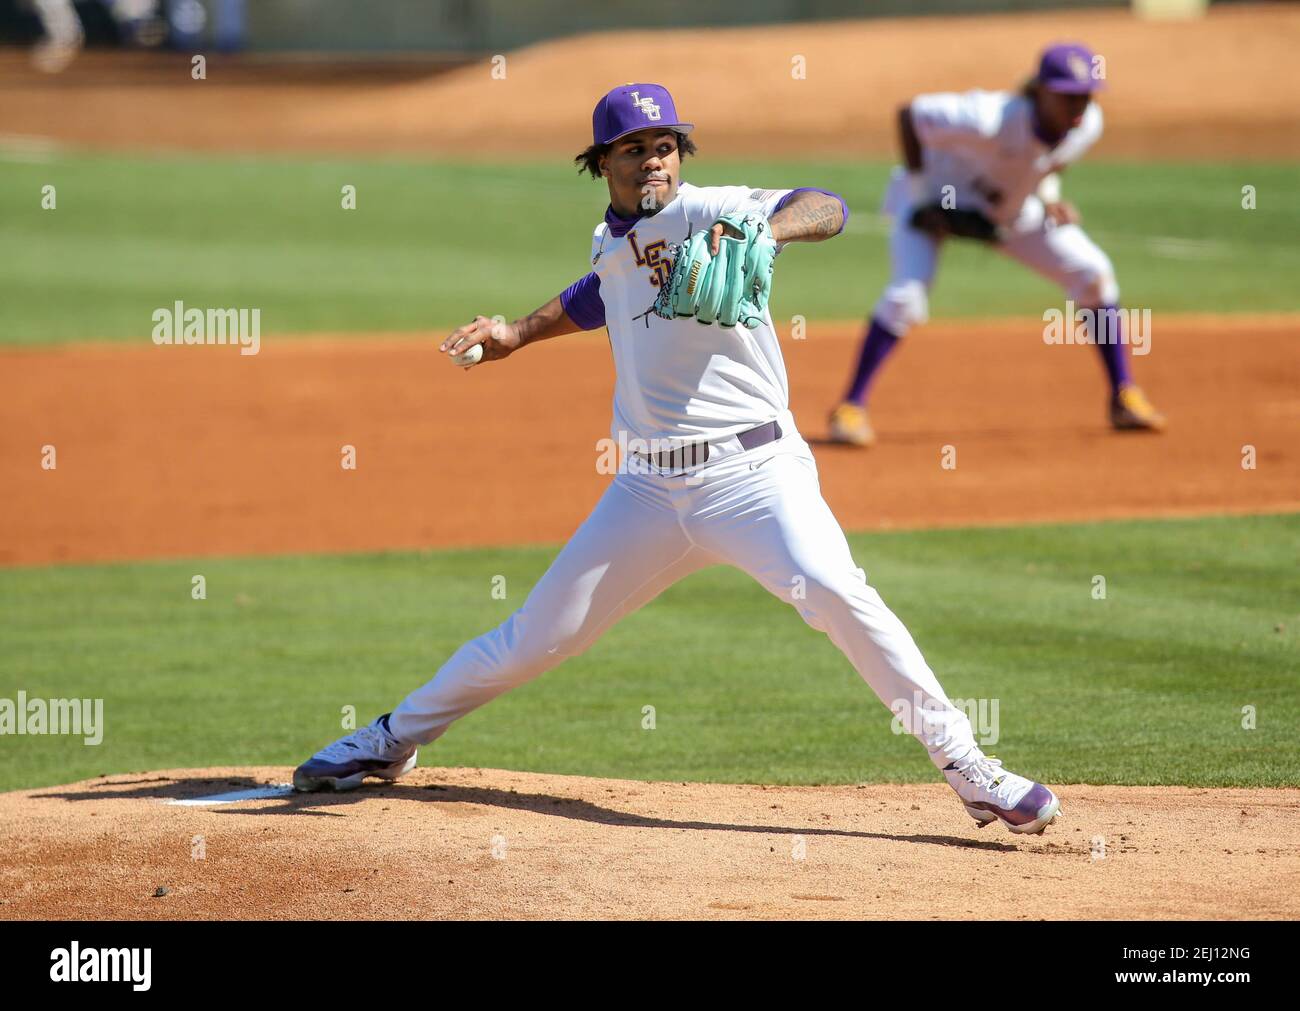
(1067, 68)
(634, 107)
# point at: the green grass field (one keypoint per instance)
(1144, 687)
(430, 243)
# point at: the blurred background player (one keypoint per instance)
(136, 24)
(62, 34)
(985, 165)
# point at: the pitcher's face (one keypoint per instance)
(643, 170)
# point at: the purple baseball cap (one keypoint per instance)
(634, 107)
(1067, 68)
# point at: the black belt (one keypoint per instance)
(696, 453)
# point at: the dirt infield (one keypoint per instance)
(1213, 88)
(180, 452)
(482, 843)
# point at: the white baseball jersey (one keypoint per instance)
(679, 379)
(983, 144)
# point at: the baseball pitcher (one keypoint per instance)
(715, 472)
(985, 166)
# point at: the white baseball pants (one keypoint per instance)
(1063, 254)
(761, 511)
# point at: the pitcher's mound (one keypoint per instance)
(476, 843)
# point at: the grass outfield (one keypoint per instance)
(1144, 687)
(431, 243)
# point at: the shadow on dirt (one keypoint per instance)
(334, 804)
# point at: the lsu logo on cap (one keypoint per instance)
(1078, 67)
(647, 106)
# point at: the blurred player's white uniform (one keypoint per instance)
(65, 35)
(981, 153)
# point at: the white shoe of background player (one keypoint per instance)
(991, 793)
(370, 751)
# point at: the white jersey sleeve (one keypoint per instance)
(711, 202)
(728, 199)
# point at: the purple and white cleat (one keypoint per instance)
(370, 751)
(991, 793)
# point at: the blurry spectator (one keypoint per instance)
(138, 23)
(63, 35)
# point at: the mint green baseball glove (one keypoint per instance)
(727, 289)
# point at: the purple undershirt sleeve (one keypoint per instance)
(816, 189)
(582, 302)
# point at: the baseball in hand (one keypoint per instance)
(471, 357)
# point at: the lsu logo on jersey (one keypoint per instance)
(647, 106)
(652, 257)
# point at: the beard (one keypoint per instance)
(652, 202)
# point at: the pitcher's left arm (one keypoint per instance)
(804, 215)
(809, 216)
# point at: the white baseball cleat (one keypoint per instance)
(992, 793)
(343, 765)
